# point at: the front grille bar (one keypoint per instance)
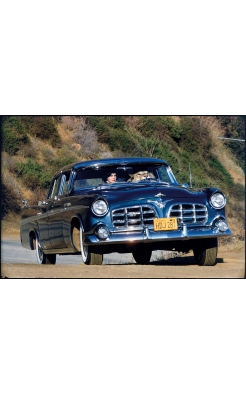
(189, 213)
(133, 216)
(136, 217)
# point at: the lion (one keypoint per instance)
(140, 175)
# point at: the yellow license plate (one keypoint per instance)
(165, 224)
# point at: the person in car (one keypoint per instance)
(109, 178)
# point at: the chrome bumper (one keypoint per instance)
(148, 235)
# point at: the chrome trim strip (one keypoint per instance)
(149, 235)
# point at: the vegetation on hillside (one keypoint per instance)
(34, 148)
(234, 127)
(14, 135)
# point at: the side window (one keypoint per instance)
(64, 183)
(54, 188)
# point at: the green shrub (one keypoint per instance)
(120, 140)
(43, 127)
(147, 126)
(111, 130)
(148, 146)
(114, 121)
(163, 152)
(200, 182)
(219, 172)
(97, 123)
(188, 140)
(105, 126)
(58, 163)
(33, 174)
(194, 137)
(161, 126)
(14, 134)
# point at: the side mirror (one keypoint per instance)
(185, 185)
(25, 202)
(41, 203)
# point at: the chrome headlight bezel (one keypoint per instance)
(217, 200)
(100, 207)
(102, 232)
(221, 224)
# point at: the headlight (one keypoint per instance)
(100, 207)
(102, 232)
(221, 225)
(218, 200)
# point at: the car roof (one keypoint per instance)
(114, 162)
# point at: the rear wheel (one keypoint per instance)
(142, 256)
(42, 259)
(205, 252)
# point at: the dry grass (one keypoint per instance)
(10, 179)
(220, 151)
(10, 225)
(66, 129)
(131, 121)
(231, 244)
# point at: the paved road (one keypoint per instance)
(18, 262)
(13, 252)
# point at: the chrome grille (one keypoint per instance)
(133, 216)
(189, 213)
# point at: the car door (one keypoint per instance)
(43, 230)
(55, 213)
(43, 216)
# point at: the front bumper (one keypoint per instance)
(147, 235)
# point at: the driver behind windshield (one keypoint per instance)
(109, 178)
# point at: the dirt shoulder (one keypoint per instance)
(230, 264)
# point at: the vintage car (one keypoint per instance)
(145, 209)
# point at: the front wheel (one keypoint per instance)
(88, 258)
(205, 252)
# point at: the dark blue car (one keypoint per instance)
(123, 205)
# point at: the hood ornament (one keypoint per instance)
(160, 204)
(160, 194)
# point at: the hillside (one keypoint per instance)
(34, 148)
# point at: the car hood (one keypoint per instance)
(146, 191)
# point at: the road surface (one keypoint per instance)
(18, 262)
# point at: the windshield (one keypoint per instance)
(93, 177)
